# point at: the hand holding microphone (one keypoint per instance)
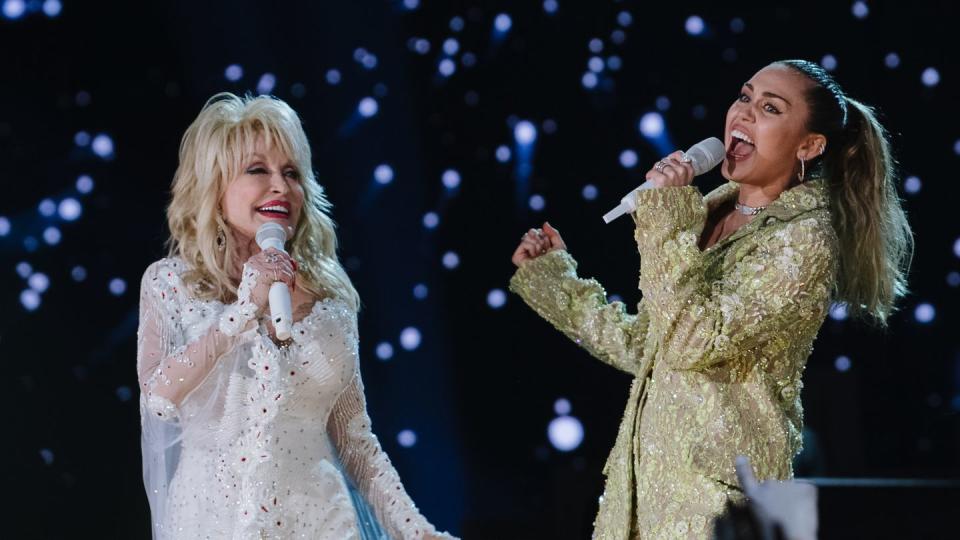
(277, 277)
(677, 169)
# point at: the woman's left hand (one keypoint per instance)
(673, 170)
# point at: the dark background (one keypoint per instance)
(480, 389)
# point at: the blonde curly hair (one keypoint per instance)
(212, 153)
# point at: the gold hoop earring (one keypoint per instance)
(803, 170)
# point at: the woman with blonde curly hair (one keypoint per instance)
(245, 435)
(735, 287)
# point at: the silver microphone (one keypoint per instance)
(704, 156)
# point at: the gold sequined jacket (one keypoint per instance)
(717, 348)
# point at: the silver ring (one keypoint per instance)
(272, 258)
(685, 158)
(660, 165)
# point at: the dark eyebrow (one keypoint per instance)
(769, 94)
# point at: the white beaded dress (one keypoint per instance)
(246, 439)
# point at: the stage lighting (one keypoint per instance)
(595, 45)
(422, 46)
(333, 76)
(953, 279)
(737, 25)
(411, 4)
(618, 36)
(860, 10)
(624, 18)
(384, 351)
(447, 67)
(924, 313)
(468, 59)
(550, 6)
(614, 63)
(450, 260)
(4, 226)
(24, 269)
(451, 46)
(431, 220)
(651, 125)
(842, 363)
(234, 72)
(368, 107)
(589, 80)
(451, 179)
(84, 184)
(502, 23)
(52, 236)
(930, 77)
(117, 286)
(694, 25)
(266, 83)
(102, 145)
(838, 311)
(14, 9)
(69, 209)
(383, 174)
(456, 24)
(82, 138)
(503, 153)
(628, 158)
(52, 8)
(589, 192)
(39, 282)
(420, 291)
(565, 433)
(78, 273)
(595, 64)
(47, 207)
(892, 60)
(537, 203)
(30, 299)
(410, 338)
(912, 185)
(829, 62)
(496, 298)
(525, 133)
(407, 438)
(562, 406)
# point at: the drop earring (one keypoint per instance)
(803, 170)
(221, 239)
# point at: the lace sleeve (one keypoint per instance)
(169, 365)
(371, 470)
(579, 308)
(773, 294)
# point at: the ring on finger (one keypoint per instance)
(660, 165)
(272, 258)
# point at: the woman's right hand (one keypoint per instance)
(536, 242)
(273, 265)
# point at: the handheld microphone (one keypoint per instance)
(704, 155)
(272, 235)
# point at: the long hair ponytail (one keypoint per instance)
(875, 239)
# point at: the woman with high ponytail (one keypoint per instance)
(735, 286)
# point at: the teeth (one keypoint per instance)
(279, 209)
(742, 136)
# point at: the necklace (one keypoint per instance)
(749, 210)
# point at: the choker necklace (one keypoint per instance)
(748, 210)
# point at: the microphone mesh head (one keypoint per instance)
(271, 231)
(706, 155)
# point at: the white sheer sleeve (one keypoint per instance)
(171, 363)
(179, 344)
(370, 468)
